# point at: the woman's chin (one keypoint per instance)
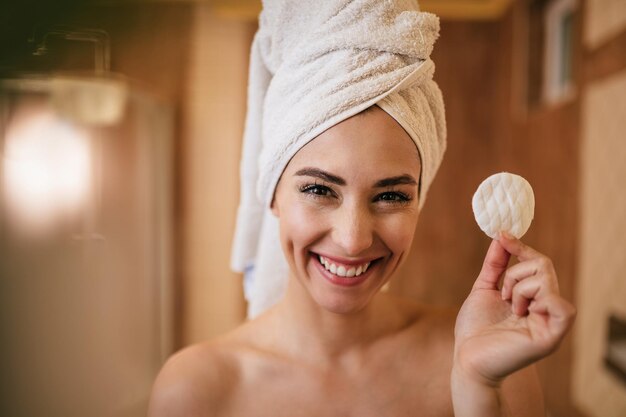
(339, 301)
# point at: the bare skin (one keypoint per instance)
(339, 346)
(262, 373)
(253, 372)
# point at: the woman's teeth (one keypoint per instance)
(343, 271)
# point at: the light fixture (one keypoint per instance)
(46, 170)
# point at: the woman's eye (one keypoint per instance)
(316, 190)
(393, 197)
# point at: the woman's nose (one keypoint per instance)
(353, 230)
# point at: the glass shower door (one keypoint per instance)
(85, 246)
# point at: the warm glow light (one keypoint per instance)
(46, 170)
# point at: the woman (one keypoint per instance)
(346, 195)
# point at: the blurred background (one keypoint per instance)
(120, 137)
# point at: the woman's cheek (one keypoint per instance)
(303, 224)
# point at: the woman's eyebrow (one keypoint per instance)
(326, 176)
(400, 179)
(318, 173)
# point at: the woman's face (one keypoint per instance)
(347, 207)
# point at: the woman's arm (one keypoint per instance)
(500, 332)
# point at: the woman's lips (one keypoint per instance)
(345, 274)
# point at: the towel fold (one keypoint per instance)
(313, 65)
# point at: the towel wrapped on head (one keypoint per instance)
(313, 65)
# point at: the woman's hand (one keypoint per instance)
(501, 331)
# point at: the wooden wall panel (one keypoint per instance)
(215, 96)
(602, 244)
(545, 144)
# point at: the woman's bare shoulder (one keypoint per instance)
(193, 382)
(200, 379)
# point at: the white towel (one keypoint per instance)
(312, 65)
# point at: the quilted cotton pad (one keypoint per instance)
(504, 202)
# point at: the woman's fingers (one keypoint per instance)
(531, 264)
(529, 281)
(557, 316)
(549, 315)
(515, 247)
(523, 281)
(540, 266)
(533, 289)
(525, 292)
(494, 265)
(554, 313)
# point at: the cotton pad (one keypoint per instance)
(504, 202)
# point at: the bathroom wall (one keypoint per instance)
(545, 141)
(602, 244)
(212, 297)
(602, 262)
(604, 22)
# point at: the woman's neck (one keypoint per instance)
(327, 337)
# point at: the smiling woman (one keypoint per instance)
(341, 147)
(347, 205)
